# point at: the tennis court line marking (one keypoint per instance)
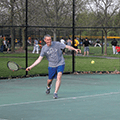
(61, 99)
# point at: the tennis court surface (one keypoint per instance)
(81, 97)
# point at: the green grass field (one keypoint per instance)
(81, 63)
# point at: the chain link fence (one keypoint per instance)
(13, 48)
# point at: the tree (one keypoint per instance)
(7, 6)
(42, 12)
(57, 13)
(105, 11)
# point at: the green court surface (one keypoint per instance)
(81, 97)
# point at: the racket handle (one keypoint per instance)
(23, 68)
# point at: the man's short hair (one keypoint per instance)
(47, 36)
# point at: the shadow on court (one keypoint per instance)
(81, 97)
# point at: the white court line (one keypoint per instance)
(3, 119)
(61, 99)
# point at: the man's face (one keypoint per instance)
(48, 41)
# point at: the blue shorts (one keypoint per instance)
(54, 70)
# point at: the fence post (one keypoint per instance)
(102, 41)
(26, 35)
(73, 27)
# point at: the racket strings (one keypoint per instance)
(12, 66)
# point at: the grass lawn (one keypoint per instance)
(81, 64)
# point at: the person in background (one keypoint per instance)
(76, 43)
(69, 42)
(1, 44)
(40, 44)
(8, 44)
(29, 41)
(63, 42)
(5, 42)
(97, 43)
(36, 46)
(114, 44)
(86, 46)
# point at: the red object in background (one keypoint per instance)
(29, 38)
(40, 41)
(117, 48)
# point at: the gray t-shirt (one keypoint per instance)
(53, 53)
(35, 42)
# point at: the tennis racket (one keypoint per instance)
(14, 66)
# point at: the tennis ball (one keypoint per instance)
(92, 62)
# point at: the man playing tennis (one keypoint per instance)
(52, 51)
